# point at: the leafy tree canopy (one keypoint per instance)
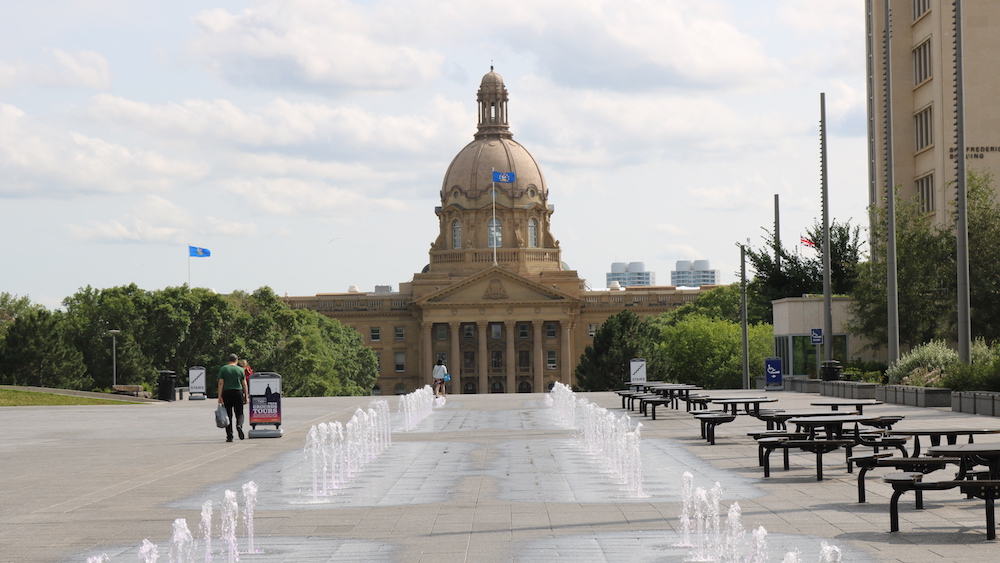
(604, 364)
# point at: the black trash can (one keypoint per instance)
(167, 380)
(830, 370)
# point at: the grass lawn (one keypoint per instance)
(14, 398)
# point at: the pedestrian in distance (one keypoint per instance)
(233, 393)
(439, 373)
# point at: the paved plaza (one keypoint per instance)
(483, 478)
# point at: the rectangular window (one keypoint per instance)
(550, 330)
(522, 330)
(400, 333)
(925, 193)
(550, 359)
(443, 356)
(524, 359)
(920, 7)
(441, 331)
(497, 359)
(469, 365)
(496, 331)
(469, 331)
(378, 362)
(400, 361)
(923, 129)
(922, 63)
(376, 334)
(592, 329)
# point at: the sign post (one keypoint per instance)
(772, 374)
(196, 383)
(816, 336)
(265, 404)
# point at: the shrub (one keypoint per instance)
(934, 355)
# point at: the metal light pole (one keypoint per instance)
(114, 357)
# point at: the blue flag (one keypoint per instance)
(199, 252)
(503, 177)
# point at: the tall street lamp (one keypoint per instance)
(114, 357)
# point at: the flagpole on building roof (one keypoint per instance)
(493, 228)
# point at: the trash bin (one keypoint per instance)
(167, 380)
(830, 370)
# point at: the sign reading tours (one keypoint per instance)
(265, 398)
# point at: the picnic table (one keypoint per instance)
(745, 401)
(776, 419)
(950, 435)
(858, 404)
(832, 424)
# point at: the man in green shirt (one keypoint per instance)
(233, 393)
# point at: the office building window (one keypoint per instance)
(922, 63)
(550, 359)
(376, 334)
(456, 234)
(550, 330)
(441, 331)
(400, 333)
(533, 233)
(920, 7)
(400, 361)
(925, 193)
(923, 129)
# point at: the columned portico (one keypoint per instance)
(482, 355)
(455, 358)
(538, 357)
(511, 355)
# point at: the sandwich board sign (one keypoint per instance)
(196, 383)
(637, 369)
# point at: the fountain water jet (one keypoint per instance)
(338, 452)
(148, 552)
(230, 514)
(205, 527)
(182, 543)
(249, 504)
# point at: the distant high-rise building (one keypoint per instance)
(693, 274)
(630, 274)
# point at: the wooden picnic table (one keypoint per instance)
(858, 404)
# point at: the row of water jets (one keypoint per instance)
(701, 531)
(416, 406)
(183, 546)
(338, 452)
(609, 438)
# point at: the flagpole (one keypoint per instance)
(189, 266)
(493, 195)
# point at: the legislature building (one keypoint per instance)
(495, 302)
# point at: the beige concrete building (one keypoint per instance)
(495, 302)
(922, 63)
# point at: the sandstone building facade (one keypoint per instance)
(495, 302)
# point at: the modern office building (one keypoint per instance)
(630, 274)
(495, 302)
(922, 85)
(695, 273)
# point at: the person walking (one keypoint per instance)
(233, 393)
(439, 373)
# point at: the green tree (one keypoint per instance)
(604, 364)
(723, 303)
(709, 352)
(11, 307)
(36, 351)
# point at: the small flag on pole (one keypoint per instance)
(503, 177)
(807, 242)
(199, 252)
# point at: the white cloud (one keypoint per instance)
(159, 220)
(296, 196)
(82, 69)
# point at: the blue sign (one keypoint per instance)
(816, 335)
(772, 371)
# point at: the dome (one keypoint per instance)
(470, 175)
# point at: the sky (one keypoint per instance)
(304, 142)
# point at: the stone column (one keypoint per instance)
(456, 360)
(509, 326)
(427, 359)
(538, 357)
(483, 355)
(567, 353)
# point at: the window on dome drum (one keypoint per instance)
(533, 233)
(400, 333)
(456, 235)
(550, 359)
(376, 333)
(441, 332)
(923, 129)
(922, 63)
(925, 193)
(400, 361)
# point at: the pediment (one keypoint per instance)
(496, 285)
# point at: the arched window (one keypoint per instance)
(456, 235)
(533, 233)
(495, 233)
